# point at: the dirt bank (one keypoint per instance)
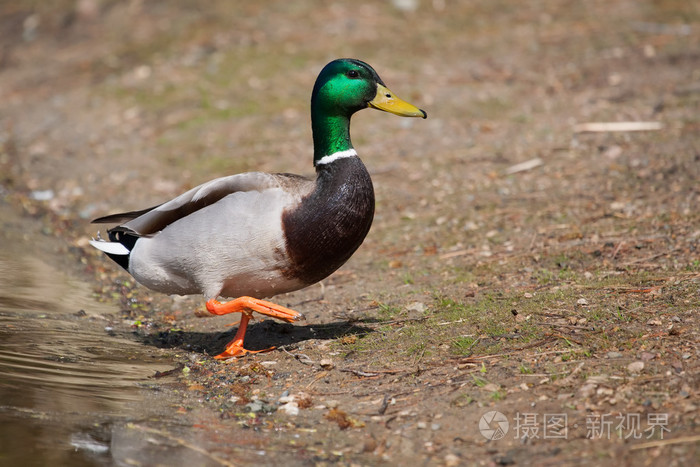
(518, 262)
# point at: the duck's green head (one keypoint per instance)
(346, 85)
(343, 87)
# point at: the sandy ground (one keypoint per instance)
(520, 261)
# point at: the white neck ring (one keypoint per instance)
(336, 155)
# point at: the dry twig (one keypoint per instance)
(603, 127)
(666, 442)
(568, 326)
(569, 379)
(524, 166)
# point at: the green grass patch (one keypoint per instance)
(463, 345)
(505, 322)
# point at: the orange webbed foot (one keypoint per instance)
(263, 307)
(246, 305)
(235, 350)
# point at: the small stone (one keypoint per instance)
(290, 408)
(635, 367)
(506, 459)
(42, 195)
(286, 399)
(255, 406)
(406, 5)
(587, 390)
(613, 152)
(421, 425)
(435, 426)
(326, 364)
(416, 306)
(528, 295)
(491, 387)
(597, 379)
(613, 355)
(332, 404)
(647, 356)
(654, 322)
(582, 302)
(520, 318)
(470, 225)
(617, 205)
(451, 460)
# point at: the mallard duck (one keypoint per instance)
(254, 235)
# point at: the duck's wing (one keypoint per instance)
(150, 221)
(122, 217)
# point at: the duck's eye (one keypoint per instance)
(353, 74)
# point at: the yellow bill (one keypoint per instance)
(386, 100)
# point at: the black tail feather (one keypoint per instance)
(126, 239)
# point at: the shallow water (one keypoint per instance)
(67, 387)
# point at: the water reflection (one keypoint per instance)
(65, 384)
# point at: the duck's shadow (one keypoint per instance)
(259, 336)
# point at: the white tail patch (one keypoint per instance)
(113, 248)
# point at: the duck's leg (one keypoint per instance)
(246, 305)
(235, 347)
